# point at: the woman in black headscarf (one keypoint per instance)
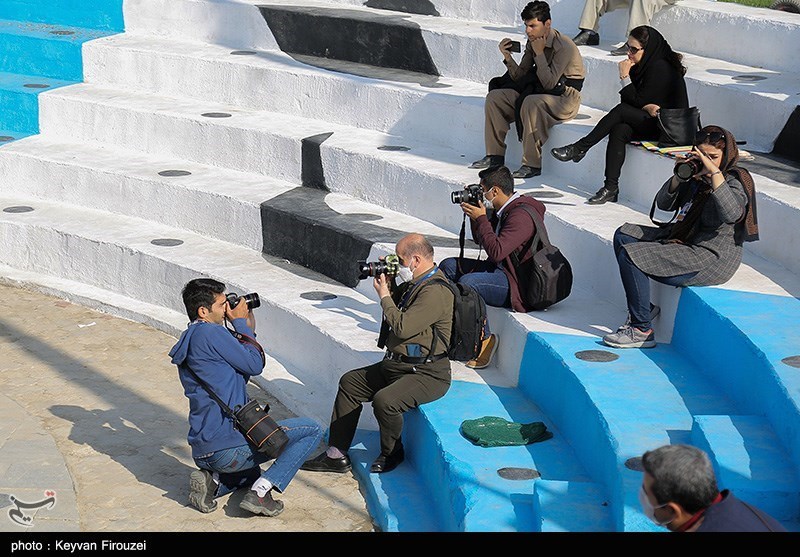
(652, 78)
(714, 213)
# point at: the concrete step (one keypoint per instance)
(43, 49)
(438, 111)
(748, 460)
(570, 506)
(92, 14)
(741, 34)
(19, 99)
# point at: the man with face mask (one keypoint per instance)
(408, 375)
(679, 492)
(504, 230)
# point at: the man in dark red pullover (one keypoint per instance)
(507, 229)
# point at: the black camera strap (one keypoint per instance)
(244, 339)
(225, 408)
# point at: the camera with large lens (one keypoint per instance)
(389, 266)
(473, 194)
(252, 300)
(688, 168)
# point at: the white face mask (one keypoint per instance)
(487, 204)
(649, 510)
(404, 274)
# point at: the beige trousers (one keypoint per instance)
(640, 11)
(539, 113)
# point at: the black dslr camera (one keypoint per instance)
(685, 169)
(389, 266)
(252, 300)
(472, 194)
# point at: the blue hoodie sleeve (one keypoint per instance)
(244, 358)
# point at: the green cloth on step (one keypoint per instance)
(492, 431)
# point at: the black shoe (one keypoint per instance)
(525, 172)
(603, 194)
(324, 463)
(620, 50)
(489, 161)
(388, 463)
(266, 505)
(568, 152)
(587, 37)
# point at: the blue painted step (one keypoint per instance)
(614, 406)
(19, 99)
(743, 342)
(460, 480)
(44, 49)
(94, 14)
(750, 461)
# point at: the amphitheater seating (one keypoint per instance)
(196, 146)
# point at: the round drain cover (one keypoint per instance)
(393, 148)
(363, 216)
(511, 473)
(793, 361)
(36, 86)
(582, 117)
(435, 85)
(634, 464)
(243, 52)
(171, 173)
(545, 194)
(216, 115)
(18, 209)
(748, 77)
(596, 356)
(166, 242)
(317, 295)
(5, 138)
(62, 32)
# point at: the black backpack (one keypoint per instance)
(469, 322)
(546, 277)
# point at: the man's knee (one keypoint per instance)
(385, 405)
(449, 267)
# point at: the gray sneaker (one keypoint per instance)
(261, 505)
(654, 311)
(201, 491)
(630, 337)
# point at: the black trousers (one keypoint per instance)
(622, 124)
(393, 388)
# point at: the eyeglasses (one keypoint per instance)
(708, 137)
(632, 49)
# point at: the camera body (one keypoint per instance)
(389, 266)
(472, 194)
(685, 169)
(252, 300)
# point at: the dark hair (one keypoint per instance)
(200, 293)
(536, 10)
(499, 176)
(682, 474)
(675, 59)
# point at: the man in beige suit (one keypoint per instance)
(640, 12)
(539, 92)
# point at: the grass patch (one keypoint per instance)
(753, 3)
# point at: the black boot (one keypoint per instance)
(603, 195)
(568, 152)
(489, 161)
(587, 37)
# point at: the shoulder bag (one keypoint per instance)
(546, 277)
(678, 126)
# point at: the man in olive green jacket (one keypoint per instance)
(408, 375)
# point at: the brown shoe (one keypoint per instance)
(488, 349)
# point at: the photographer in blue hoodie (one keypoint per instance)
(225, 458)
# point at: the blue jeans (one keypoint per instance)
(239, 466)
(486, 277)
(637, 283)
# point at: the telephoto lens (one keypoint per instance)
(252, 300)
(688, 168)
(389, 266)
